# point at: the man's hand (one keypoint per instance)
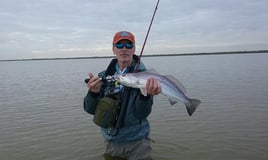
(94, 83)
(153, 87)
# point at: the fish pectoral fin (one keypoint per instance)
(172, 101)
(143, 91)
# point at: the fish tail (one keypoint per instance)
(191, 107)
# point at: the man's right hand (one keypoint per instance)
(94, 83)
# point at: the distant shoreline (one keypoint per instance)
(155, 55)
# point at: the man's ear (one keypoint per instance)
(113, 49)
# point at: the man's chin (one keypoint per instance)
(126, 59)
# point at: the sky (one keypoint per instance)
(83, 28)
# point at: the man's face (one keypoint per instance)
(124, 55)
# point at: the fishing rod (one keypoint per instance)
(146, 37)
(144, 43)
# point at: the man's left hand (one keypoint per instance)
(153, 87)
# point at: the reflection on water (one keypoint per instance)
(42, 116)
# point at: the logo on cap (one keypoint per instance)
(124, 34)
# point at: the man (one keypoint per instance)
(127, 137)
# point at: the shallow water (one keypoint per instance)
(42, 115)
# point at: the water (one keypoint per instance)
(42, 116)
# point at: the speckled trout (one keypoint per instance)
(170, 86)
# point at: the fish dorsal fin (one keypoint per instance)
(147, 71)
(151, 70)
(177, 82)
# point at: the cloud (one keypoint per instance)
(56, 28)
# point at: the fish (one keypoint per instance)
(170, 87)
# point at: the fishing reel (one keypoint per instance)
(110, 82)
(104, 79)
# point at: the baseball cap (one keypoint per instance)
(123, 35)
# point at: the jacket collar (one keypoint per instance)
(111, 67)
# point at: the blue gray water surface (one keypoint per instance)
(42, 115)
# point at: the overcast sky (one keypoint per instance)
(79, 28)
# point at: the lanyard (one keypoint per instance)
(118, 71)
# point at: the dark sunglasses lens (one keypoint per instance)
(129, 45)
(119, 45)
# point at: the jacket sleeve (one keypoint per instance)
(90, 102)
(143, 106)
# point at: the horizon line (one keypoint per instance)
(147, 55)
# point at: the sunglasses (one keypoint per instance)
(121, 45)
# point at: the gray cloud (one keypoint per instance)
(69, 28)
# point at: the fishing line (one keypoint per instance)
(144, 43)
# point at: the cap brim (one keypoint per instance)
(124, 38)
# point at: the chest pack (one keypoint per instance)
(107, 111)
